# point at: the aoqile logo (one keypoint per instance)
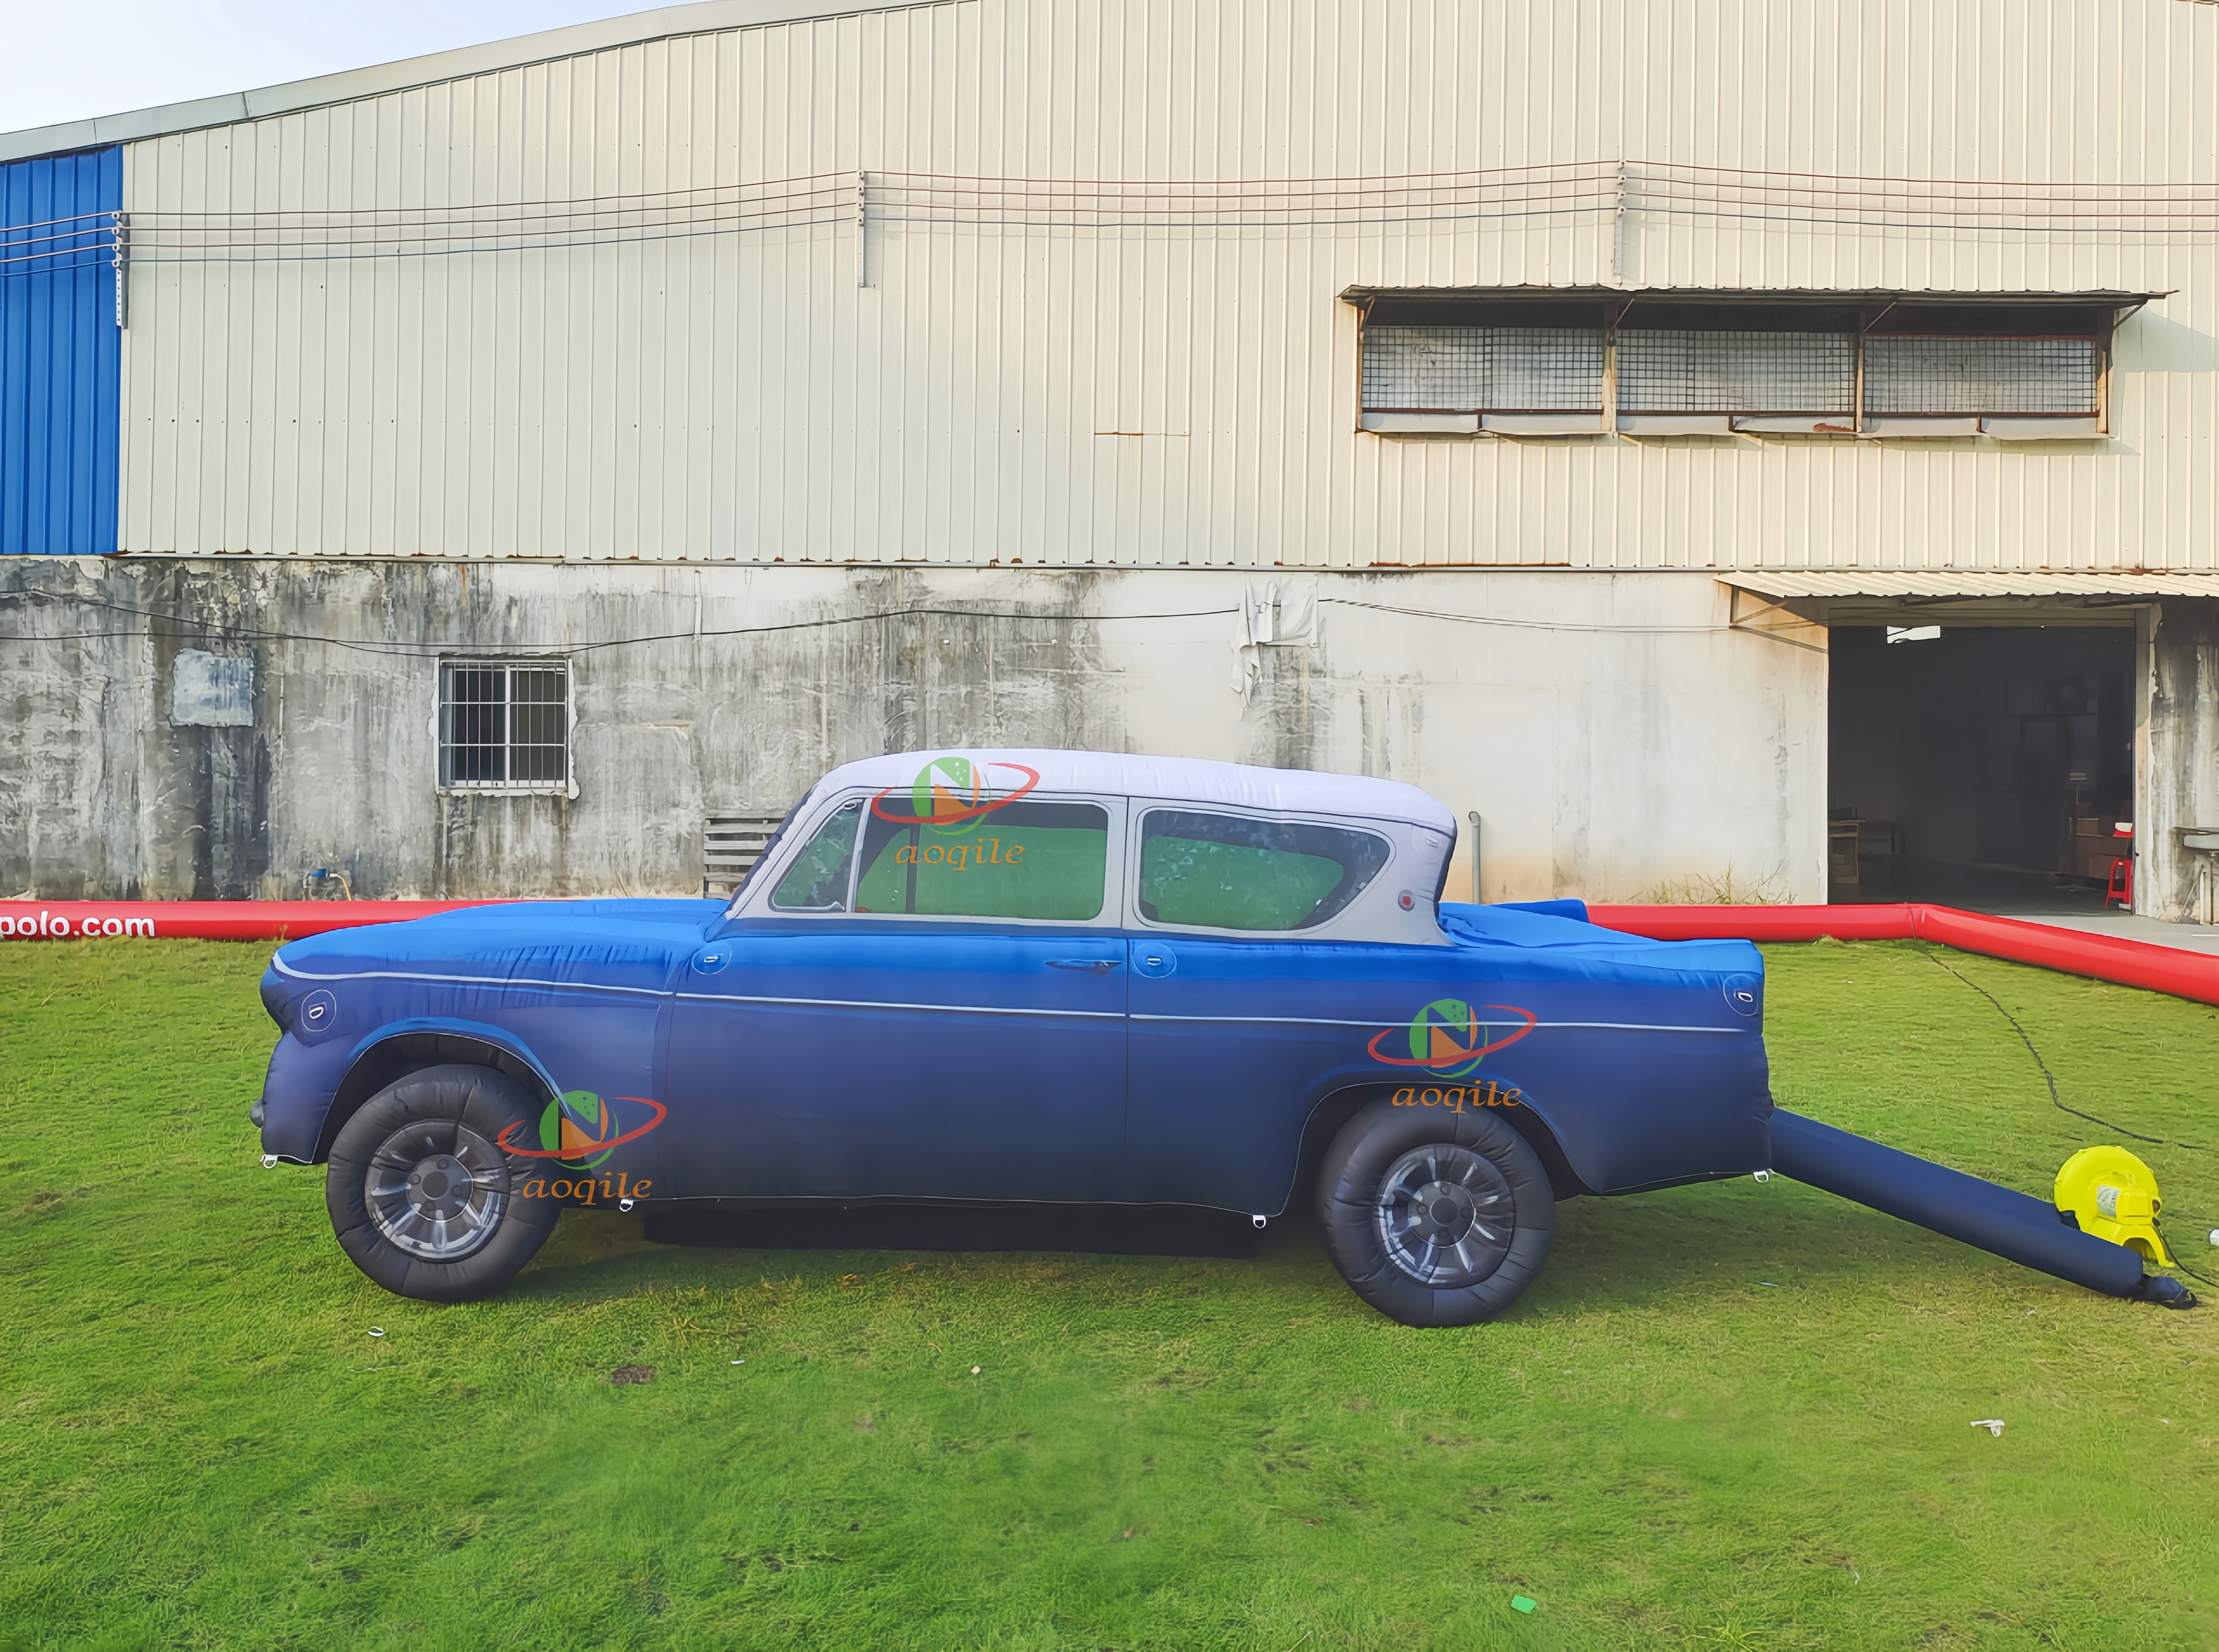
(1448, 1040)
(951, 795)
(579, 1130)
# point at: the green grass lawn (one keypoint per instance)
(1733, 1415)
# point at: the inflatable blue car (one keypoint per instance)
(1026, 976)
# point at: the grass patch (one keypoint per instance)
(1731, 1415)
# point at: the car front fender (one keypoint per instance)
(311, 1090)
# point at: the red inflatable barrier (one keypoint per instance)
(2104, 957)
(1757, 922)
(203, 920)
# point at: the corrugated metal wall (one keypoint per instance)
(1154, 371)
(59, 358)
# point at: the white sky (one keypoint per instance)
(65, 62)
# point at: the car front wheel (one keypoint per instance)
(1433, 1218)
(422, 1196)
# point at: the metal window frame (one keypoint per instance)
(1871, 308)
(565, 788)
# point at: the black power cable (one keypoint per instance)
(245, 632)
(365, 645)
(2050, 1078)
(2058, 1101)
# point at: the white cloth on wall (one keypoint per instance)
(1271, 615)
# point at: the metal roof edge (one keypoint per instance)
(636, 28)
(1359, 295)
(2115, 584)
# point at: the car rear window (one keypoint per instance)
(1026, 860)
(817, 879)
(1227, 872)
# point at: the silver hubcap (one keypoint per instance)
(438, 1189)
(1445, 1216)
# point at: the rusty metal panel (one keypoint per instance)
(606, 306)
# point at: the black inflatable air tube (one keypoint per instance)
(2009, 1224)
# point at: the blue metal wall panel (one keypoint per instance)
(60, 354)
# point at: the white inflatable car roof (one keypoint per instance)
(1191, 779)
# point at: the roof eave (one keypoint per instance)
(1360, 295)
(664, 22)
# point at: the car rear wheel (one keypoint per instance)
(1433, 1218)
(422, 1197)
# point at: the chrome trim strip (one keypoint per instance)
(877, 1004)
(945, 1008)
(284, 968)
(1309, 1020)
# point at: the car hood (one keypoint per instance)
(609, 943)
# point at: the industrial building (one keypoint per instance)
(1713, 445)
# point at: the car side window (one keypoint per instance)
(1020, 860)
(1227, 872)
(817, 879)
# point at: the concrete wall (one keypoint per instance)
(2181, 658)
(1618, 736)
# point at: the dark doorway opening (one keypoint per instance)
(1987, 768)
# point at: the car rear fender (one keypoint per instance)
(1335, 1110)
(395, 1053)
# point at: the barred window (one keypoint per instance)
(1721, 371)
(504, 726)
(1483, 370)
(1938, 373)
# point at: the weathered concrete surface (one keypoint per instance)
(1615, 735)
(2179, 785)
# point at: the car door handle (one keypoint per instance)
(1099, 966)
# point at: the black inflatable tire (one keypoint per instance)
(1349, 1185)
(485, 1102)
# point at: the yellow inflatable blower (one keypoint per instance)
(2112, 1195)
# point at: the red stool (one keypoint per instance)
(2121, 886)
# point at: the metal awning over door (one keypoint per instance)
(1942, 597)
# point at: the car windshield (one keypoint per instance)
(767, 852)
(1227, 871)
(817, 879)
